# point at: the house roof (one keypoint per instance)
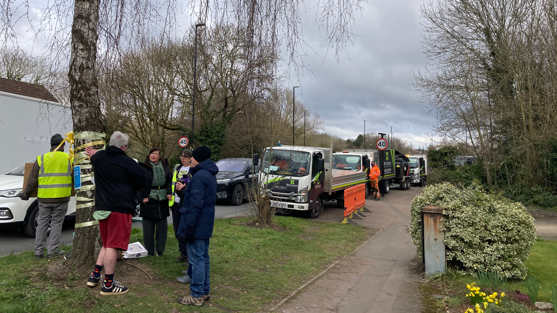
(26, 89)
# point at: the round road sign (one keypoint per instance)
(382, 144)
(183, 142)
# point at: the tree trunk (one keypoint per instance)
(86, 114)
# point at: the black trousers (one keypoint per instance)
(176, 216)
(154, 229)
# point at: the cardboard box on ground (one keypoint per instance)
(27, 172)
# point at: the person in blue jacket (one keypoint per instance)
(197, 222)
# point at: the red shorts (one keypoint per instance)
(116, 230)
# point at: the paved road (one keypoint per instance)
(15, 241)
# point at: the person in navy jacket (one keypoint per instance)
(197, 222)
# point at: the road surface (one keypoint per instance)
(14, 241)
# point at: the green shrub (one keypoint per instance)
(481, 230)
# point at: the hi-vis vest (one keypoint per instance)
(374, 172)
(55, 175)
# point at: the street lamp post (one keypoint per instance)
(293, 110)
(305, 127)
(194, 82)
(365, 134)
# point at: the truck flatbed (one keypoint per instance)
(343, 179)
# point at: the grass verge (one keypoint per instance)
(453, 285)
(251, 269)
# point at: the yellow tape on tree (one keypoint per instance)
(86, 224)
(88, 187)
(90, 144)
(89, 135)
(85, 205)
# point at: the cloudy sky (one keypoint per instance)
(371, 80)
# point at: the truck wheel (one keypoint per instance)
(387, 187)
(317, 208)
(367, 190)
(237, 197)
(30, 228)
(422, 183)
(408, 185)
(340, 203)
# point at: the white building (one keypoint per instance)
(29, 116)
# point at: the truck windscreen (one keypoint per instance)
(347, 162)
(285, 162)
(414, 163)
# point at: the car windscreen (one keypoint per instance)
(18, 171)
(231, 165)
(347, 162)
(285, 162)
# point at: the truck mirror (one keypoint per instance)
(320, 165)
(255, 160)
(367, 163)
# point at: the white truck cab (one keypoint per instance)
(418, 169)
(301, 178)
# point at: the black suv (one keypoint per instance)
(234, 179)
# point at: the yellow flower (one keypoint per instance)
(485, 305)
(490, 301)
(468, 286)
(477, 305)
(495, 294)
(502, 294)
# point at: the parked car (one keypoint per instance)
(17, 213)
(234, 179)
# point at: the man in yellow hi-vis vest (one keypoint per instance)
(52, 173)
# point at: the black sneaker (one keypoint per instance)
(115, 289)
(182, 258)
(93, 281)
(40, 256)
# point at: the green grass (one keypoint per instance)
(541, 264)
(251, 269)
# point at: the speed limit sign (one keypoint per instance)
(382, 144)
(183, 142)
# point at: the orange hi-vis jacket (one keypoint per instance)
(374, 172)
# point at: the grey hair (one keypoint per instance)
(118, 139)
(187, 153)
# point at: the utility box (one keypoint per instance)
(433, 241)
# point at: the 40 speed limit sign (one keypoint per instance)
(382, 144)
(183, 142)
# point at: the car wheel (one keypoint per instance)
(237, 195)
(317, 208)
(31, 223)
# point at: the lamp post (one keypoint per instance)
(194, 82)
(305, 127)
(365, 134)
(293, 110)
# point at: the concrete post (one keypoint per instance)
(433, 244)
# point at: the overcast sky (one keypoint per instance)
(371, 80)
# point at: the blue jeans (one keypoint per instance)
(198, 255)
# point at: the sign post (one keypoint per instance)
(382, 144)
(183, 142)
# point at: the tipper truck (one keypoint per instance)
(301, 178)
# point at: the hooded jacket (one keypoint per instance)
(154, 209)
(198, 207)
(117, 179)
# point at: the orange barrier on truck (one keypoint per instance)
(354, 200)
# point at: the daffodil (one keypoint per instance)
(502, 294)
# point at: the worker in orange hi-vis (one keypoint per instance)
(374, 173)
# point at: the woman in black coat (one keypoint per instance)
(154, 201)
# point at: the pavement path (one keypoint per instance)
(12, 240)
(381, 276)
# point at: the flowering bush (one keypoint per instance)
(481, 230)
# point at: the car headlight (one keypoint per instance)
(223, 181)
(301, 199)
(303, 191)
(11, 193)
